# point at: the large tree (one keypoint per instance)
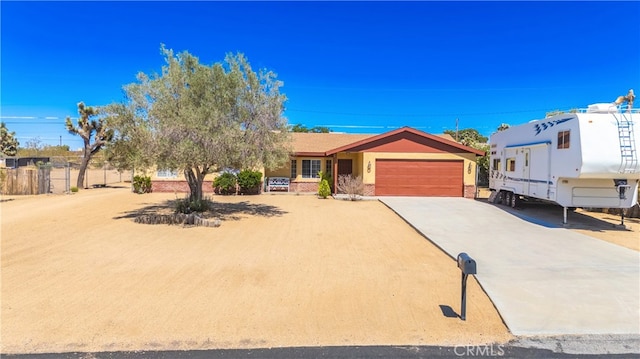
(468, 136)
(9, 142)
(95, 133)
(197, 118)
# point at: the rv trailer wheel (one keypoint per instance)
(499, 197)
(514, 200)
(507, 198)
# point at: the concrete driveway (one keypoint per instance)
(543, 281)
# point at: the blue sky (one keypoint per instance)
(358, 67)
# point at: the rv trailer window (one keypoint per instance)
(496, 164)
(511, 164)
(563, 139)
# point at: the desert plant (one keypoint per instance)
(141, 184)
(323, 189)
(187, 206)
(74, 189)
(225, 183)
(249, 181)
(352, 187)
(324, 176)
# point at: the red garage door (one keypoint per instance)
(419, 178)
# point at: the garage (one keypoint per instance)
(434, 178)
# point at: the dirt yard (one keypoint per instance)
(283, 270)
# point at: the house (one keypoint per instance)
(402, 162)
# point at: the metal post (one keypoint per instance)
(463, 303)
(564, 221)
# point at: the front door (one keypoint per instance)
(345, 167)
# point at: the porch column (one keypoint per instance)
(334, 164)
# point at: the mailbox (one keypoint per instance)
(466, 264)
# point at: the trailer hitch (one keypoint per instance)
(621, 187)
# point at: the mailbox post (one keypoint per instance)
(467, 266)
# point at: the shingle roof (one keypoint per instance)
(319, 143)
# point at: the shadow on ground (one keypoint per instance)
(551, 216)
(219, 210)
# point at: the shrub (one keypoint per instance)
(352, 187)
(225, 183)
(323, 189)
(249, 181)
(186, 206)
(142, 184)
(324, 176)
(74, 189)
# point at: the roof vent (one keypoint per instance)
(602, 108)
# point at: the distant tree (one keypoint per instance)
(196, 118)
(298, 128)
(302, 128)
(89, 128)
(320, 129)
(9, 142)
(468, 136)
(503, 126)
(558, 112)
(37, 149)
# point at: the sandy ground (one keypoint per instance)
(283, 270)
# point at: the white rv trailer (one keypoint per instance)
(584, 159)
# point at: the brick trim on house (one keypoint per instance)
(179, 186)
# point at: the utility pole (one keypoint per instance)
(456, 130)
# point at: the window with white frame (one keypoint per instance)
(167, 174)
(310, 168)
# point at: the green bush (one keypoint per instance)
(74, 189)
(325, 176)
(225, 183)
(323, 189)
(249, 181)
(142, 184)
(186, 206)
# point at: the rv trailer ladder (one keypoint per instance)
(628, 153)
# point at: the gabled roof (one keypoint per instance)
(326, 144)
(363, 143)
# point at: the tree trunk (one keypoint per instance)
(195, 184)
(83, 168)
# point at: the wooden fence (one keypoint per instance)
(55, 179)
(25, 180)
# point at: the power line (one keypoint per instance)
(416, 115)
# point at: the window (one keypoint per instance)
(167, 174)
(328, 169)
(563, 139)
(511, 164)
(496, 164)
(294, 168)
(310, 168)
